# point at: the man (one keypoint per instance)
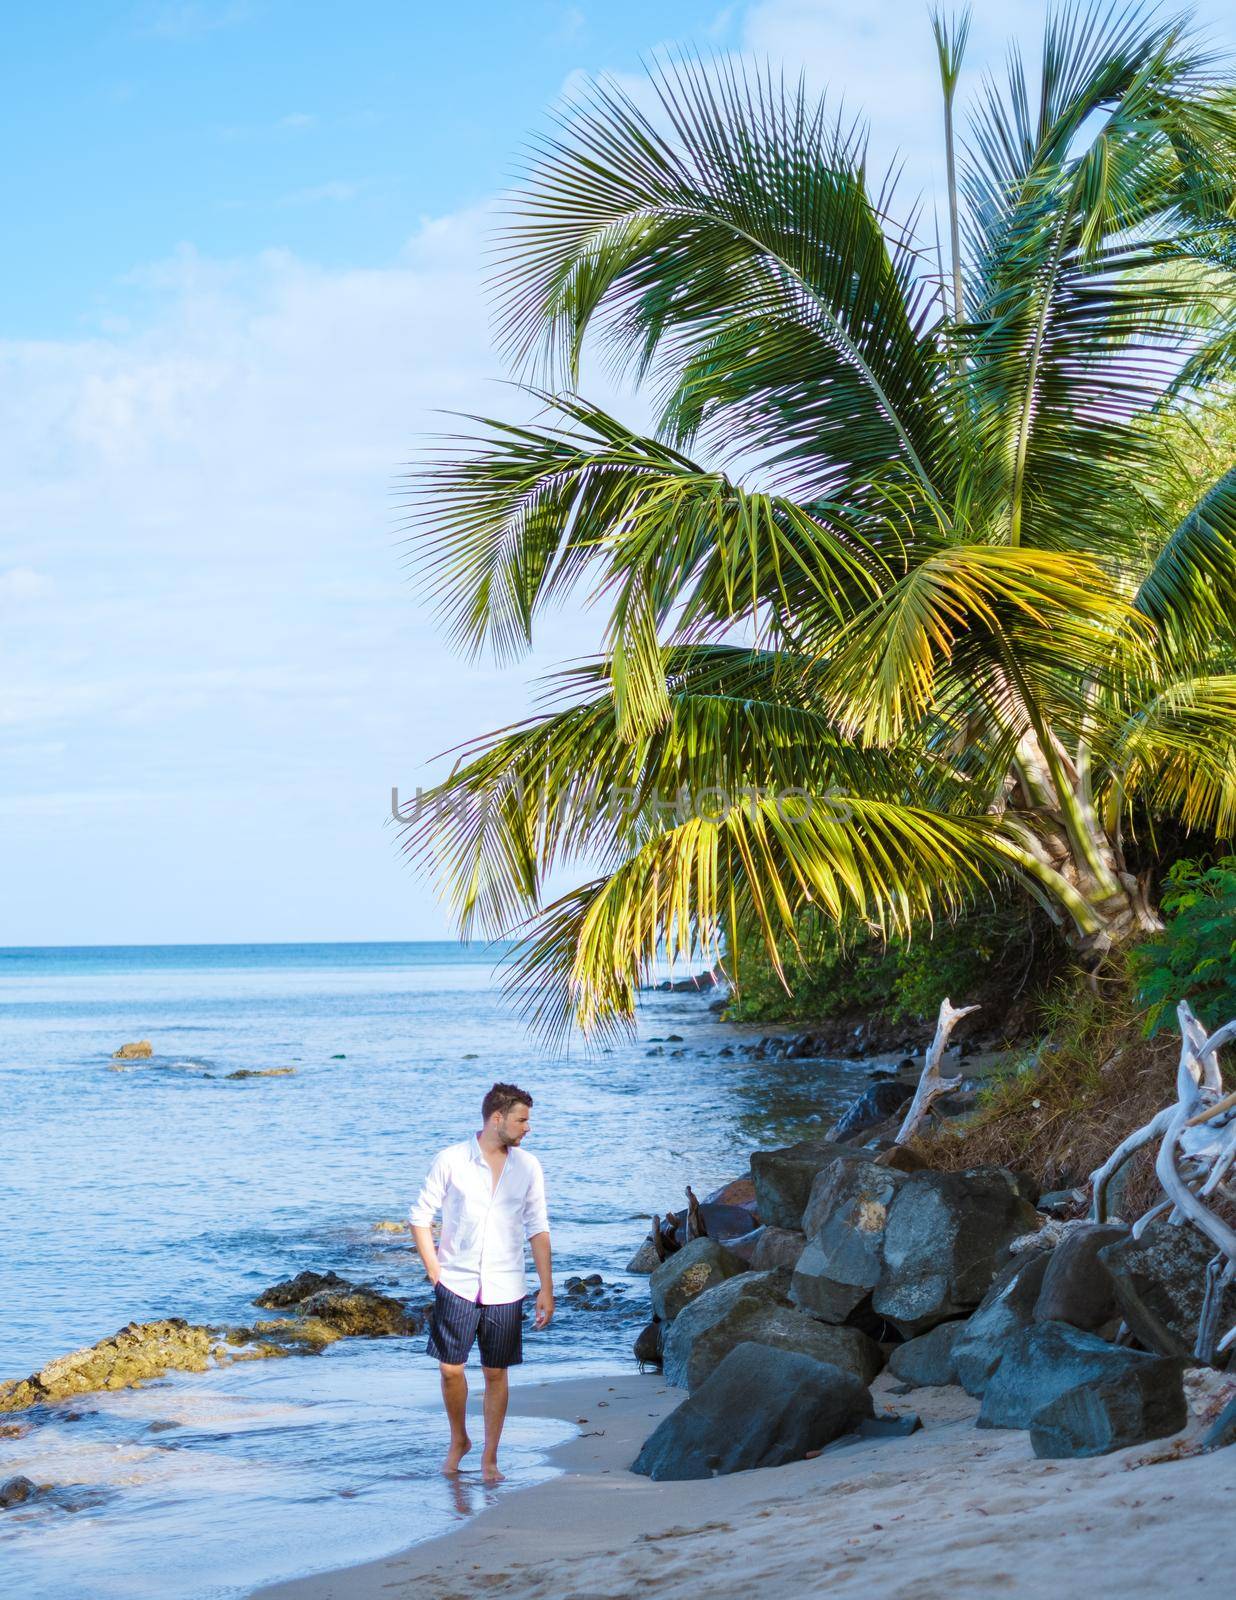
(492, 1197)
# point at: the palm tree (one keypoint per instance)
(891, 582)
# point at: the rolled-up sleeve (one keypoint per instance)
(429, 1201)
(536, 1214)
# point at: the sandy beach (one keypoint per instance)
(949, 1512)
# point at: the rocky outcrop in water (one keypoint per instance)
(141, 1350)
(348, 1310)
(138, 1050)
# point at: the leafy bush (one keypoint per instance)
(901, 980)
(1194, 958)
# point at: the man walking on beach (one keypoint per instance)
(492, 1197)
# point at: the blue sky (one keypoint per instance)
(245, 249)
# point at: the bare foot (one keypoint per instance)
(489, 1471)
(455, 1455)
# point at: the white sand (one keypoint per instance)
(949, 1512)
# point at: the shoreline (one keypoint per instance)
(948, 1513)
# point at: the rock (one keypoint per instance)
(1047, 1360)
(1006, 1309)
(876, 1103)
(844, 1219)
(928, 1360)
(1160, 1280)
(923, 1246)
(15, 1492)
(745, 1246)
(697, 1266)
(645, 1260)
(360, 1313)
(761, 1407)
(1062, 1202)
(261, 1072)
(776, 1247)
(783, 1178)
(389, 1225)
(1077, 1287)
(725, 1221)
(1142, 1403)
(139, 1050)
(139, 1351)
(650, 1344)
(754, 1307)
(947, 1234)
(291, 1291)
(1222, 1431)
(900, 1158)
(738, 1192)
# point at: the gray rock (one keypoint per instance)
(1047, 1360)
(761, 1407)
(1160, 1280)
(923, 1247)
(1131, 1407)
(876, 1103)
(845, 1220)
(783, 1178)
(753, 1308)
(1006, 1309)
(1077, 1287)
(776, 1247)
(1062, 1202)
(745, 1245)
(645, 1260)
(1222, 1431)
(697, 1266)
(15, 1492)
(722, 1221)
(650, 1343)
(947, 1234)
(928, 1360)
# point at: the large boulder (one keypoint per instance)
(1077, 1287)
(348, 1310)
(753, 1308)
(1005, 1311)
(1131, 1407)
(16, 1491)
(722, 1221)
(649, 1344)
(928, 1360)
(1160, 1281)
(645, 1261)
(1047, 1360)
(875, 1105)
(947, 1234)
(761, 1407)
(845, 1219)
(777, 1247)
(688, 1272)
(923, 1247)
(783, 1178)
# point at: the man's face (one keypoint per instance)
(514, 1125)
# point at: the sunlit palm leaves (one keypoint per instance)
(899, 564)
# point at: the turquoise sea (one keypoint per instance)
(169, 1189)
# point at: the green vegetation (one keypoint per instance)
(901, 980)
(1194, 959)
(924, 550)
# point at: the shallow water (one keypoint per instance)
(168, 1189)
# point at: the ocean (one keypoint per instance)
(170, 1189)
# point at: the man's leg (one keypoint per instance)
(455, 1399)
(497, 1390)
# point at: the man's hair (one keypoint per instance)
(502, 1097)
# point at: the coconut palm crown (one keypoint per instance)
(893, 605)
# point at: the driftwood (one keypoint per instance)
(930, 1084)
(1197, 1148)
(695, 1221)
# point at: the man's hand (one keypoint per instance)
(544, 1308)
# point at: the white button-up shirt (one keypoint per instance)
(484, 1225)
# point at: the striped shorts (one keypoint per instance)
(456, 1323)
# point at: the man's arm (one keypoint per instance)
(543, 1258)
(536, 1231)
(424, 1208)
